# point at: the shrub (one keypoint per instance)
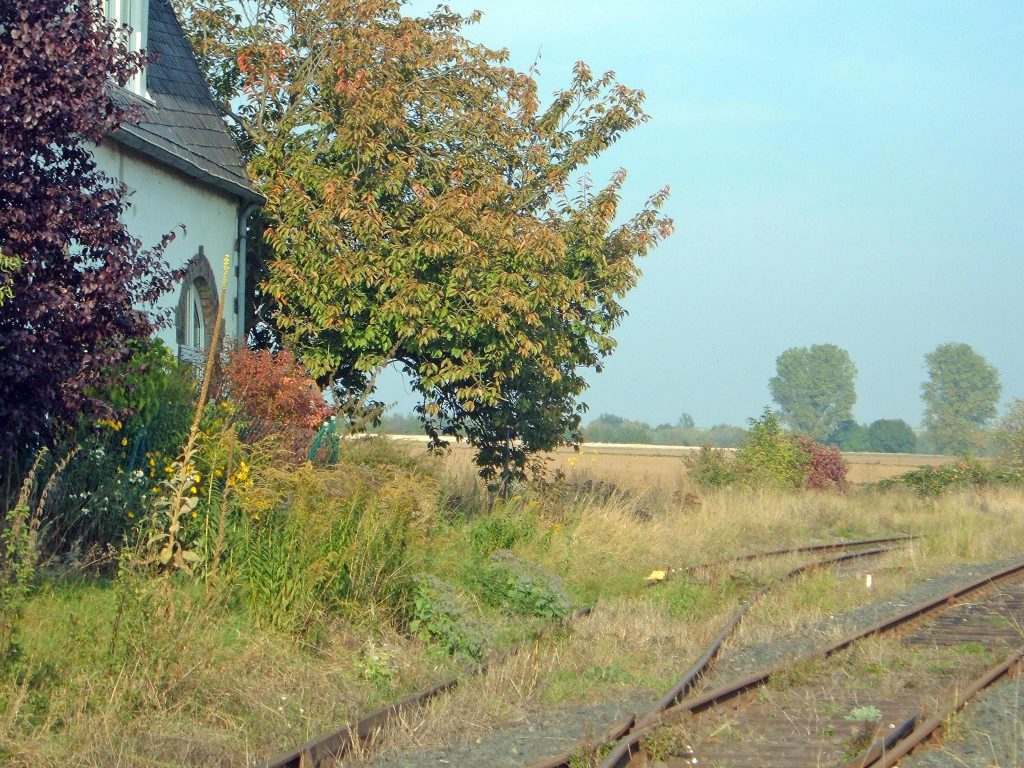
(1009, 435)
(968, 473)
(826, 468)
(439, 620)
(510, 584)
(711, 468)
(769, 457)
(116, 460)
(850, 436)
(273, 387)
(892, 436)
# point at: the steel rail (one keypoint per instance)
(837, 545)
(934, 723)
(624, 750)
(324, 751)
(703, 664)
(883, 744)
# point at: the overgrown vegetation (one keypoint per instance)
(769, 457)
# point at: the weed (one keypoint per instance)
(439, 621)
(865, 714)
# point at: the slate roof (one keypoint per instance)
(181, 126)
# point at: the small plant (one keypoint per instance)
(437, 620)
(864, 714)
(519, 590)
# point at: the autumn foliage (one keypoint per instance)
(272, 387)
(426, 210)
(76, 278)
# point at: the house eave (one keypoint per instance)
(125, 135)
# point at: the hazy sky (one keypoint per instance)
(847, 173)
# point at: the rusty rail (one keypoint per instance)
(703, 664)
(324, 751)
(934, 723)
(833, 547)
(623, 751)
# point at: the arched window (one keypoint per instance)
(197, 310)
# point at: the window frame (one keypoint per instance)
(134, 14)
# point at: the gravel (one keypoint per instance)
(736, 662)
(548, 732)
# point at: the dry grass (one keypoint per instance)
(229, 692)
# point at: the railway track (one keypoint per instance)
(810, 712)
(326, 750)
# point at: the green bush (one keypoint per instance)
(514, 587)
(441, 622)
(770, 457)
(114, 463)
(968, 473)
(711, 468)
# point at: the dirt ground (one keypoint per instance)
(664, 466)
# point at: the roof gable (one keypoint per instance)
(181, 126)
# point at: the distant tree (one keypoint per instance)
(850, 436)
(686, 421)
(960, 397)
(891, 436)
(609, 428)
(814, 388)
(73, 277)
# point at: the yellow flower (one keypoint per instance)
(131, 515)
(154, 490)
(218, 473)
(124, 441)
(197, 477)
(194, 490)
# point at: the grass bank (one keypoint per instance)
(341, 588)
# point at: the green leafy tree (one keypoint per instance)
(891, 436)
(424, 209)
(814, 388)
(850, 436)
(960, 398)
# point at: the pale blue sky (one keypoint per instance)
(847, 173)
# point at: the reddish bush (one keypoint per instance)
(272, 386)
(826, 467)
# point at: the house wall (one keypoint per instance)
(162, 200)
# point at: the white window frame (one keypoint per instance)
(135, 14)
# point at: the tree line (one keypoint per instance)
(815, 393)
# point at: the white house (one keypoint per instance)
(183, 170)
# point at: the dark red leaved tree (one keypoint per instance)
(82, 276)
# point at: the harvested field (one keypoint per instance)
(664, 467)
